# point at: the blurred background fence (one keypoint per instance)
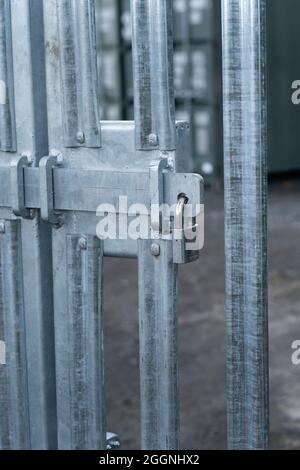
(198, 82)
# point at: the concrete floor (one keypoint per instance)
(201, 332)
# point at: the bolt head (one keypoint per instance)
(171, 164)
(80, 137)
(155, 249)
(54, 153)
(153, 140)
(32, 214)
(59, 159)
(2, 227)
(29, 157)
(58, 155)
(60, 221)
(83, 243)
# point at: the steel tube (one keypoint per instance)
(14, 410)
(7, 111)
(79, 344)
(77, 35)
(158, 347)
(154, 102)
(26, 311)
(244, 60)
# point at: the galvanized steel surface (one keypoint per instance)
(14, 409)
(78, 68)
(244, 62)
(7, 110)
(50, 258)
(154, 103)
(36, 390)
(158, 346)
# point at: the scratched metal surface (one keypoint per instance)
(26, 318)
(154, 99)
(7, 113)
(14, 429)
(246, 221)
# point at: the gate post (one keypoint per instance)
(244, 60)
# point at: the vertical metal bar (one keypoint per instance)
(153, 74)
(14, 420)
(77, 259)
(69, 73)
(90, 91)
(77, 34)
(7, 113)
(244, 60)
(158, 347)
(80, 361)
(32, 139)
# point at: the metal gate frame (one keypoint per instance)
(52, 385)
(27, 383)
(58, 195)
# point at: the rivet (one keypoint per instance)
(60, 221)
(29, 157)
(32, 214)
(155, 249)
(83, 243)
(171, 164)
(153, 140)
(80, 137)
(54, 153)
(59, 160)
(58, 155)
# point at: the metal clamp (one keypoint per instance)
(48, 213)
(18, 187)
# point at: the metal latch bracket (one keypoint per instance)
(17, 181)
(47, 193)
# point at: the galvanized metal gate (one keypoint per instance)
(52, 386)
(58, 163)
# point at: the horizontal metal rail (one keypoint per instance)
(97, 186)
